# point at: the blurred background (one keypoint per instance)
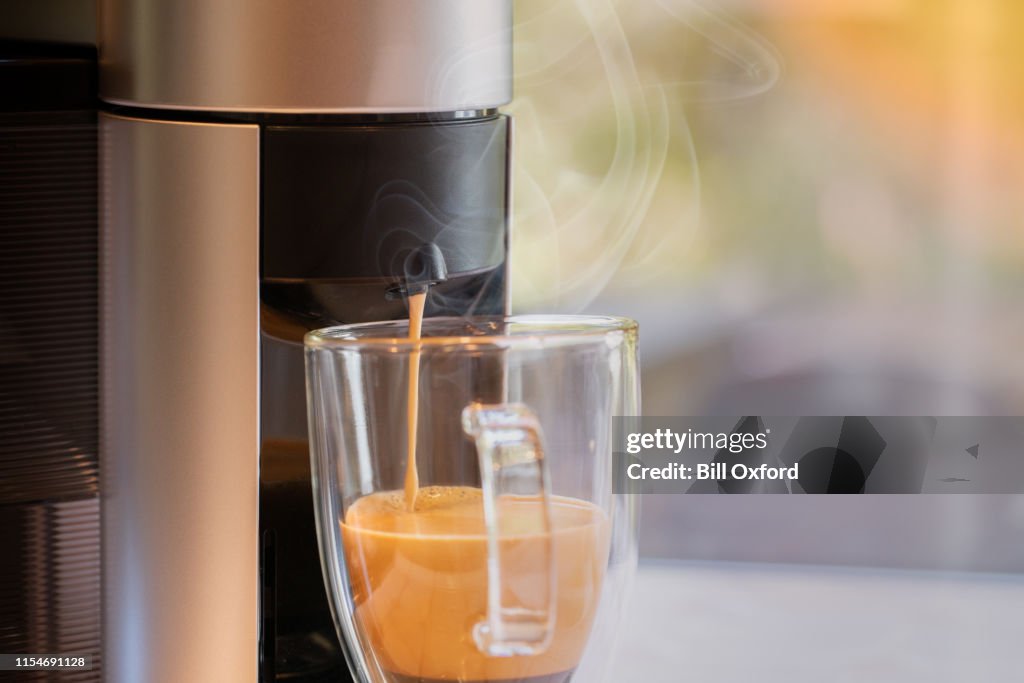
(813, 207)
(784, 192)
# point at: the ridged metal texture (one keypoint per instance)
(50, 592)
(49, 510)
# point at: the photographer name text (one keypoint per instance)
(716, 471)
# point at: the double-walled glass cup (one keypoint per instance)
(501, 552)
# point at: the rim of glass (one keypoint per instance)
(367, 335)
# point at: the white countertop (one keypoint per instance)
(740, 623)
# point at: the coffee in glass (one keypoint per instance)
(511, 555)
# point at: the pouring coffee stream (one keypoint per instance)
(412, 480)
(424, 267)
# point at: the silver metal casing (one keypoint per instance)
(180, 412)
(309, 56)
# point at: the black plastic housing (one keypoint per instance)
(354, 215)
(355, 201)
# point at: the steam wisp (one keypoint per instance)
(574, 228)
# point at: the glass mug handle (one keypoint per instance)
(520, 618)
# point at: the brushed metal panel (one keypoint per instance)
(307, 55)
(180, 410)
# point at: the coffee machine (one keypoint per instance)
(265, 169)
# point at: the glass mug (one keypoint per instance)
(509, 557)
